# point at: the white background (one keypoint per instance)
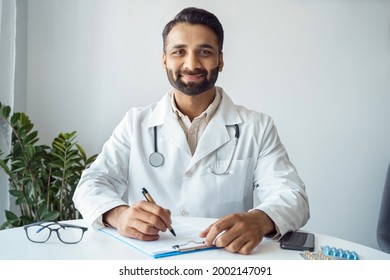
(321, 69)
(279, 270)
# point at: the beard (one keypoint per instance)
(193, 88)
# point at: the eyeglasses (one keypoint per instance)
(40, 232)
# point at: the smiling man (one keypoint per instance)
(192, 58)
(197, 152)
(192, 65)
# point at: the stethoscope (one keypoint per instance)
(156, 159)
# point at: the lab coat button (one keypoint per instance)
(184, 213)
(188, 173)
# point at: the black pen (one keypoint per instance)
(150, 199)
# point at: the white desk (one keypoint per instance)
(14, 245)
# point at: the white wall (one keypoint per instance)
(321, 69)
(7, 70)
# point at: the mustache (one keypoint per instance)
(193, 72)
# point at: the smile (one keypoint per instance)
(192, 78)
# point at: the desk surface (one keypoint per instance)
(98, 246)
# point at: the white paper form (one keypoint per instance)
(186, 236)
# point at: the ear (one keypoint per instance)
(164, 60)
(221, 63)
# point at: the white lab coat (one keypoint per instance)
(184, 183)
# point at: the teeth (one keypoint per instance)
(200, 74)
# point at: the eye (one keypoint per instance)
(177, 52)
(205, 52)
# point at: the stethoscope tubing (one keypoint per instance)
(156, 159)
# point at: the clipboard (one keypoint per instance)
(186, 241)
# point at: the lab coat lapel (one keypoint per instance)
(171, 132)
(216, 133)
(214, 136)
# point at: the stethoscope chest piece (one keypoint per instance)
(156, 159)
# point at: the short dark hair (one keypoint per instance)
(195, 16)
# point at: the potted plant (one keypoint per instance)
(41, 178)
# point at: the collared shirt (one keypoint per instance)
(194, 130)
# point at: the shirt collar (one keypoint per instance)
(208, 113)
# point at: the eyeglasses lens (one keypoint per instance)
(38, 233)
(70, 234)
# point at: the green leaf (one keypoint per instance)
(9, 224)
(15, 118)
(16, 193)
(4, 166)
(57, 155)
(31, 138)
(30, 151)
(25, 220)
(58, 145)
(6, 111)
(10, 216)
(91, 159)
(51, 215)
(20, 200)
(82, 152)
(27, 126)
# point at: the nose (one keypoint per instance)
(191, 61)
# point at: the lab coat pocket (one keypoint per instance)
(236, 184)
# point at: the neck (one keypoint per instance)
(193, 106)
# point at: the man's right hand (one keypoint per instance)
(142, 221)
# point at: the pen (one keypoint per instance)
(150, 199)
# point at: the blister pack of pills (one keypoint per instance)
(330, 253)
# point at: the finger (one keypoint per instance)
(240, 244)
(134, 233)
(154, 215)
(163, 213)
(204, 233)
(154, 221)
(136, 228)
(139, 219)
(145, 228)
(169, 214)
(218, 228)
(216, 231)
(248, 247)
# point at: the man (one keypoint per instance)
(197, 153)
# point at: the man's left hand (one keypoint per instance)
(239, 232)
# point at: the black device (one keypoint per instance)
(298, 240)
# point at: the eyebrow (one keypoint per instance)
(202, 46)
(206, 46)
